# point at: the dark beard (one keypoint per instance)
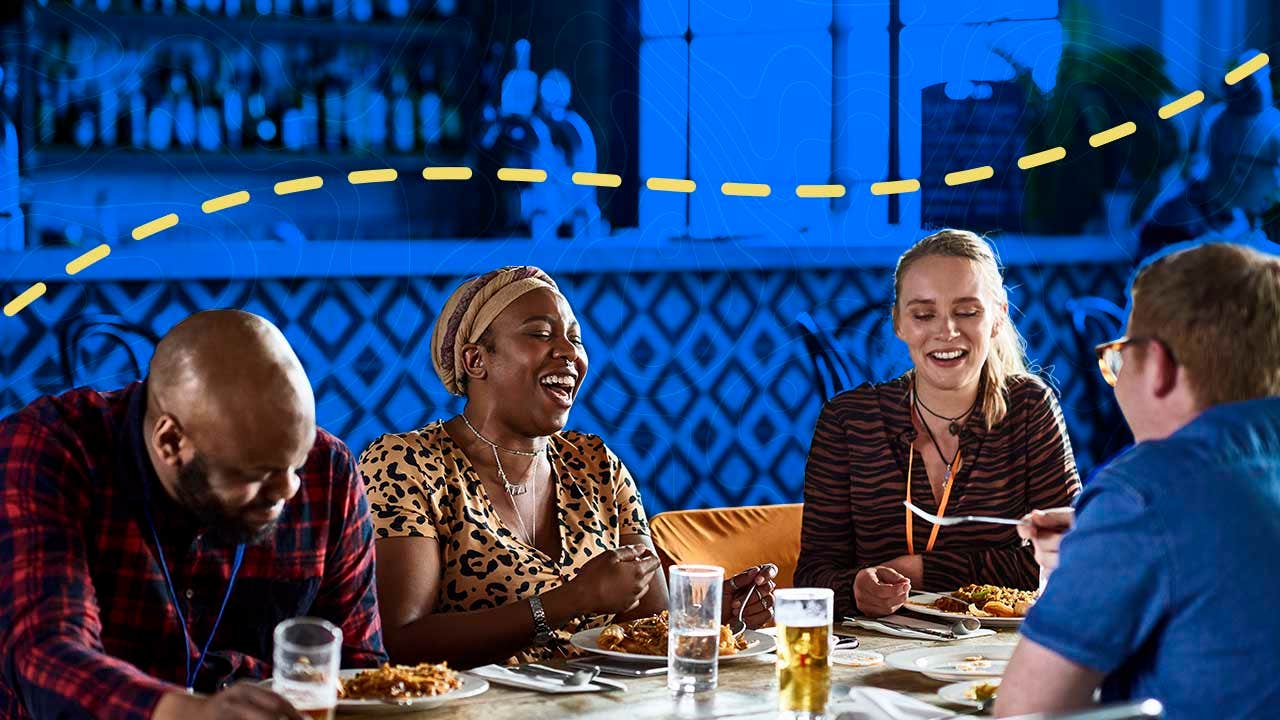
(224, 528)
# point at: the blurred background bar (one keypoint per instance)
(116, 112)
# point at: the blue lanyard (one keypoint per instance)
(173, 595)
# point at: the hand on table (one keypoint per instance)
(759, 612)
(1044, 530)
(880, 590)
(242, 701)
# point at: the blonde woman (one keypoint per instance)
(967, 431)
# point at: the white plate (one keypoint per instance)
(920, 603)
(951, 663)
(958, 692)
(760, 644)
(471, 686)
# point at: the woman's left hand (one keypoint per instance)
(759, 612)
(911, 567)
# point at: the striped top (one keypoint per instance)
(855, 483)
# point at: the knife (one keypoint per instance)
(549, 674)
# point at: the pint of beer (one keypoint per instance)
(804, 617)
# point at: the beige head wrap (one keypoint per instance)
(469, 311)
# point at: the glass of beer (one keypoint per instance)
(305, 669)
(693, 638)
(803, 617)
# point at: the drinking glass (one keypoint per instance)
(803, 617)
(693, 641)
(305, 670)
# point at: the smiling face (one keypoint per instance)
(947, 318)
(533, 363)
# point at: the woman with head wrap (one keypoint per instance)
(500, 534)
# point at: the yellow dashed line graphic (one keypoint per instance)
(671, 185)
(961, 177)
(657, 184)
(28, 296)
(522, 175)
(446, 173)
(146, 230)
(597, 179)
(362, 177)
(302, 184)
(88, 259)
(740, 189)
(1044, 157)
(1122, 130)
(1256, 63)
(820, 191)
(231, 200)
(895, 187)
(1181, 105)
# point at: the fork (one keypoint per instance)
(957, 519)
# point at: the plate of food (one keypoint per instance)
(970, 692)
(995, 606)
(966, 662)
(646, 639)
(403, 688)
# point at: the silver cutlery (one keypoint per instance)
(957, 519)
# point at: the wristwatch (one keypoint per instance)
(541, 630)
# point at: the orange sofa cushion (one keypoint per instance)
(733, 538)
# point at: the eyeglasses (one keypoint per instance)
(1110, 359)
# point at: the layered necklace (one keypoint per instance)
(512, 489)
(953, 425)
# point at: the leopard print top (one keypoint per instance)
(421, 484)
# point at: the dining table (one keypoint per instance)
(747, 688)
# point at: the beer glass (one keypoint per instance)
(305, 670)
(693, 640)
(803, 617)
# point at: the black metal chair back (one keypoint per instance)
(1095, 320)
(131, 337)
(831, 367)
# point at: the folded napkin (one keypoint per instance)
(547, 682)
(868, 703)
(873, 624)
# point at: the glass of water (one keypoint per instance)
(693, 641)
(305, 667)
(803, 617)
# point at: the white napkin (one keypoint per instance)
(502, 676)
(871, 624)
(880, 704)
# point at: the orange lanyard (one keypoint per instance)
(942, 507)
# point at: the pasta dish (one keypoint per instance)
(396, 682)
(987, 601)
(648, 636)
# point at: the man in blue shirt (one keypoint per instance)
(1165, 585)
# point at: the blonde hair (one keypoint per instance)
(1217, 308)
(1008, 357)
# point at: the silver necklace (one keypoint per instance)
(512, 490)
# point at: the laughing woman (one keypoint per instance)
(967, 431)
(498, 533)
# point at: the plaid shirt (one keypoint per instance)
(87, 627)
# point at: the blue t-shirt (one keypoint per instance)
(1170, 579)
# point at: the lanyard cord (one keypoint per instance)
(173, 595)
(952, 469)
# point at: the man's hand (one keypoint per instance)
(1044, 530)
(242, 701)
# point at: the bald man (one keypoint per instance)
(136, 523)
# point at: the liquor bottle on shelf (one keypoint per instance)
(184, 109)
(402, 125)
(429, 106)
(331, 105)
(377, 110)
